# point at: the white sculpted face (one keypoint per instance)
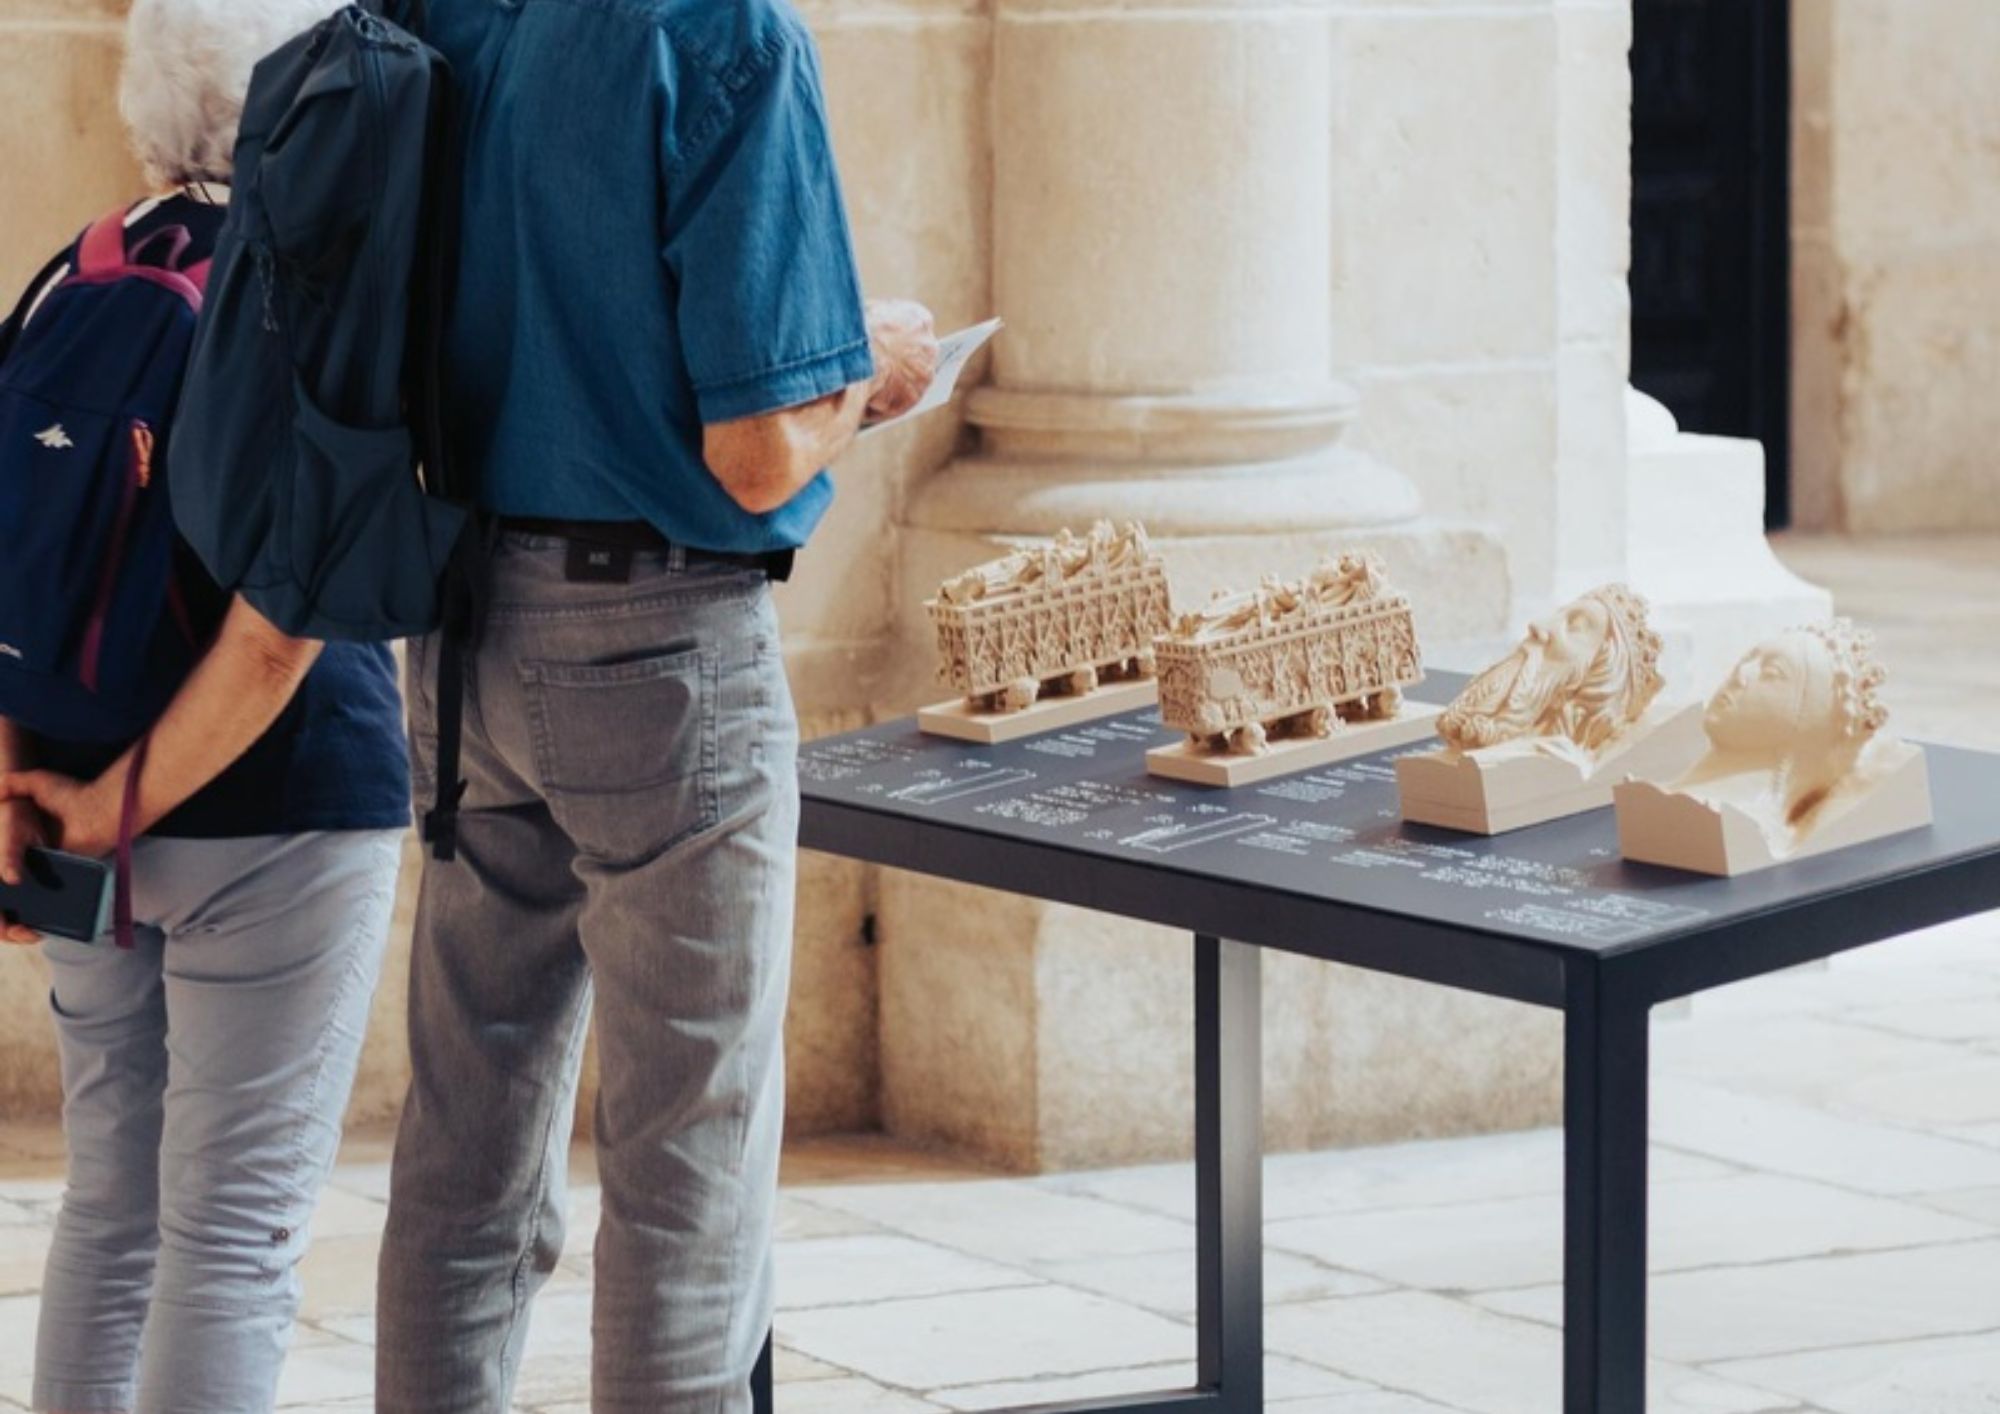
(1809, 691)
(1781, 690)
(1583, 672)
(1790, 725)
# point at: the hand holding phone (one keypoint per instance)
(21, 828)
(61, 895)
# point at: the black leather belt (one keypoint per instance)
(638, 536)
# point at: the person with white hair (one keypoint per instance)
(206, 1067)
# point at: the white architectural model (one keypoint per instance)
(1290, 676)
(1050, 635)
(1796, 764)
(1547, 731)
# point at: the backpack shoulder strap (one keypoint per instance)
(412, 16)
(102, 249)
(10, 329)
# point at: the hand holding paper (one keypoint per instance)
(954, 352)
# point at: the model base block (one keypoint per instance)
(961, 721)
(1661, 826)
(1288, 756)
(1513, 786)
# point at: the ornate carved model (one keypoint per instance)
(1790, 729)
(1290, 659)
(1576, 685)
(1056, 617)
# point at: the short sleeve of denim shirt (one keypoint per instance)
(768, 300)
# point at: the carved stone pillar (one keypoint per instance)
(1163, 255)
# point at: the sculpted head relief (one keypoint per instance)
(1793, 718)
(1584, 673)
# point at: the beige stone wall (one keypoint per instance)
(1483, 189)
(65, 158)
(907, 89)
(1896, 244)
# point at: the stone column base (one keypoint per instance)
(1455, 574)
(1698, 551)
(1039, 1037)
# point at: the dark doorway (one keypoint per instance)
(1711, 220)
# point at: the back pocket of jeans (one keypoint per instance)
(627, 750)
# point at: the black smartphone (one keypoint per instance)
(60, 895)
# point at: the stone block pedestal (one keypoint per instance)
(1039, 1037)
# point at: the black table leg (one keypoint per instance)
(1604, 1156)
(763, 1398)
(1229, 1172)
(1229, 1196)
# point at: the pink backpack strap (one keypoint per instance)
(197, 274)
(176, 239)
(103, 248)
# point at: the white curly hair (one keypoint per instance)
(187, 72)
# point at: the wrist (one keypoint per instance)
(93, 829)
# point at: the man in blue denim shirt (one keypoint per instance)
(658, 342)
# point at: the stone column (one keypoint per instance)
(1163, 229)
(1164, 254)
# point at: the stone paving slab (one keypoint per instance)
(1475, 1360)
(1956, 1375)
(1518, 1242)
(1826, 1303)
(982, 1337)
(856, 1270)
(1783, 1137)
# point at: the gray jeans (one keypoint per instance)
(205, 1073)
(631, 820)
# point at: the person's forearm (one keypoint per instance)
(14, 753)
(764, 461)
(842, 424)
(823, 430)
(230, 700)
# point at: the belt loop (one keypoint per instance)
(677, 558)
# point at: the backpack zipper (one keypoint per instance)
(379, 87)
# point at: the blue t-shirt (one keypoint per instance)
(653, 239)
(334, 759)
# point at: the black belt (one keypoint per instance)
(638, 536)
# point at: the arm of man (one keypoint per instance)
(764, 461)
(785, 358)
(230, 700)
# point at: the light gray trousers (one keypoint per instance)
(205, 1075)
(631, 822)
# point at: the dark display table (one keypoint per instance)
(1322, 865)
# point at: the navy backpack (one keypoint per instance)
(301, 459)
(95, 635)
(310, 466)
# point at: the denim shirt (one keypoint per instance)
(653, 239)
